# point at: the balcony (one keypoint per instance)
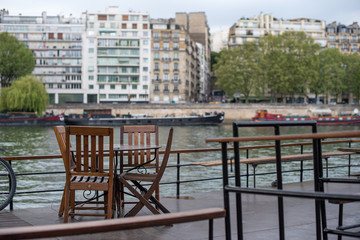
(156, 80)
(166, 90)
(166, 59)
(176, 81)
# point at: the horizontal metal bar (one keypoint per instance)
(296, 194)
(274, 123)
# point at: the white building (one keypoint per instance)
(251, 29)
(116, 53)
(101, 57)
(56, 43)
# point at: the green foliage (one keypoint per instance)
(237, 69)
(26, 94)
(332, 71)
(16, 59)
(288, 62)
(352, 68)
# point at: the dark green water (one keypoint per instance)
(27, 141)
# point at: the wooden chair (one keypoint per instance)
(60, 137)
(140, 192)
(89, 173)
(140, 135)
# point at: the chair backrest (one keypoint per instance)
(60, 137)
(139, 135)
(89, 147)
(164, 160)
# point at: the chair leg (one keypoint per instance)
(109, 204)
(66, 205)
(61, 208)
(143, 200)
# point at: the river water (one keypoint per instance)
(27, 141)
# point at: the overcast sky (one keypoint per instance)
(220, 13)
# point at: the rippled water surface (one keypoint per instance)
(27, 141)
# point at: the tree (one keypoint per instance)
(25, 94)
(237, 69)
(288, 62)
(332, 71)
(16, 59)
(352, 67)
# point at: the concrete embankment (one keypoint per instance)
(232, 112)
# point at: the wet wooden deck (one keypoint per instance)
(260, 217)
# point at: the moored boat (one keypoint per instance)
(323, 118)
(30, 119)
(110, 120)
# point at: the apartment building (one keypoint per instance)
(251, 29)
(116, 53)
(345, 38)
(56, 42)
(179, 62)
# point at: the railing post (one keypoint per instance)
(349, 162)
(301, 164)
(11, 202)
(178, 176)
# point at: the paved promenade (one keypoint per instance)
(260, 217)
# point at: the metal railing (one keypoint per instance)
(180, 165)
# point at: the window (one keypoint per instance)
(91, 25)
(125, 17)
(101, 86)
(91, 78)
(51, 36)
(145, 87)
(176, 66)
(156, 88)
(166, 87)
(51, 85)
(157, 67)
(176, 46)
(91, 86)
(112, 86)
(91, 50)
(176, 55)
(134, 26)
(145, 69)
(123, 25)
(112, 25)
(166, 77)
(145, 78)
(176, 77)
(102, 25)
(123, 87)
(102, 96)
(145, 26)
(156, 45)
(332, 38)
(166, 46)
(91, 69)
(134, 18)
(134, 34)
(156, 55)
(145, 33)
(166, 67)
(156, 35)
(102, 17)
(112, 17)
(134, 87)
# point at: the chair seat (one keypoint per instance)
(143, 177)
(91, 182)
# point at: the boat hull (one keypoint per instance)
(32, 121)
(165, 121)
(320, 121)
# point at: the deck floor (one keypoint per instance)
(259, 217)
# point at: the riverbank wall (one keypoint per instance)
(233, 112)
